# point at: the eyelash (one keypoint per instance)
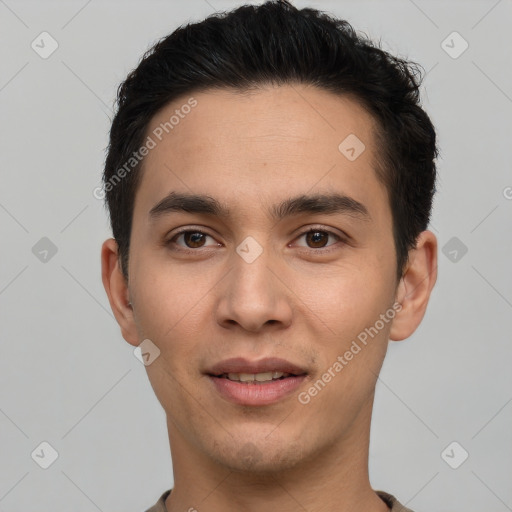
(322, 250)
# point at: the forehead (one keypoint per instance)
(261, 146)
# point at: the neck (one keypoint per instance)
(333, 478)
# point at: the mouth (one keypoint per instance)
(256, 378)
(239, 368)
(256, 383)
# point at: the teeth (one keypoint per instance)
(258, 377)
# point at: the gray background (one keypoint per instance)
(67, 377)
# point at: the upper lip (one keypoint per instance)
(242, 365)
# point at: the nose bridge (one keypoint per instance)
(251, 280)
(252, 294)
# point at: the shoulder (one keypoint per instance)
(391, 502)
(389, 499)
(159, 506)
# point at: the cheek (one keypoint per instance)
(347, 305)
(345, 297)
(174, 310)
(168, 305)
(351, 357)
(166, 292)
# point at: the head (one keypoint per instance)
(284, 121)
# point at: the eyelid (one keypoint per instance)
(187, 229)
(319, 227)
(343, 238)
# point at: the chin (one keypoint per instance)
(263, 456)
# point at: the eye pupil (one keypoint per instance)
(315, 235)
(194, 236)
(316, 238)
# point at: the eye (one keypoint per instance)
(316, 238)
(193, 239)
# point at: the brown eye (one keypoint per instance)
(192, 239)
(317, 238)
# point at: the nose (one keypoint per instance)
(253, 296)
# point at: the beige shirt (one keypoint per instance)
(388, 499)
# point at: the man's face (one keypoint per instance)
(202, 299)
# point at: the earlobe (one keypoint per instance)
(413, 291)
(117, 291)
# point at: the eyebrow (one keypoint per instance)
(330, 204)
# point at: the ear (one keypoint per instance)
(117, 291)
(413, 291)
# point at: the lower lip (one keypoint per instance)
(261, 393)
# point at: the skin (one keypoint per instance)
(249, 152)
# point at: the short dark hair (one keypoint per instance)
(278, 44)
